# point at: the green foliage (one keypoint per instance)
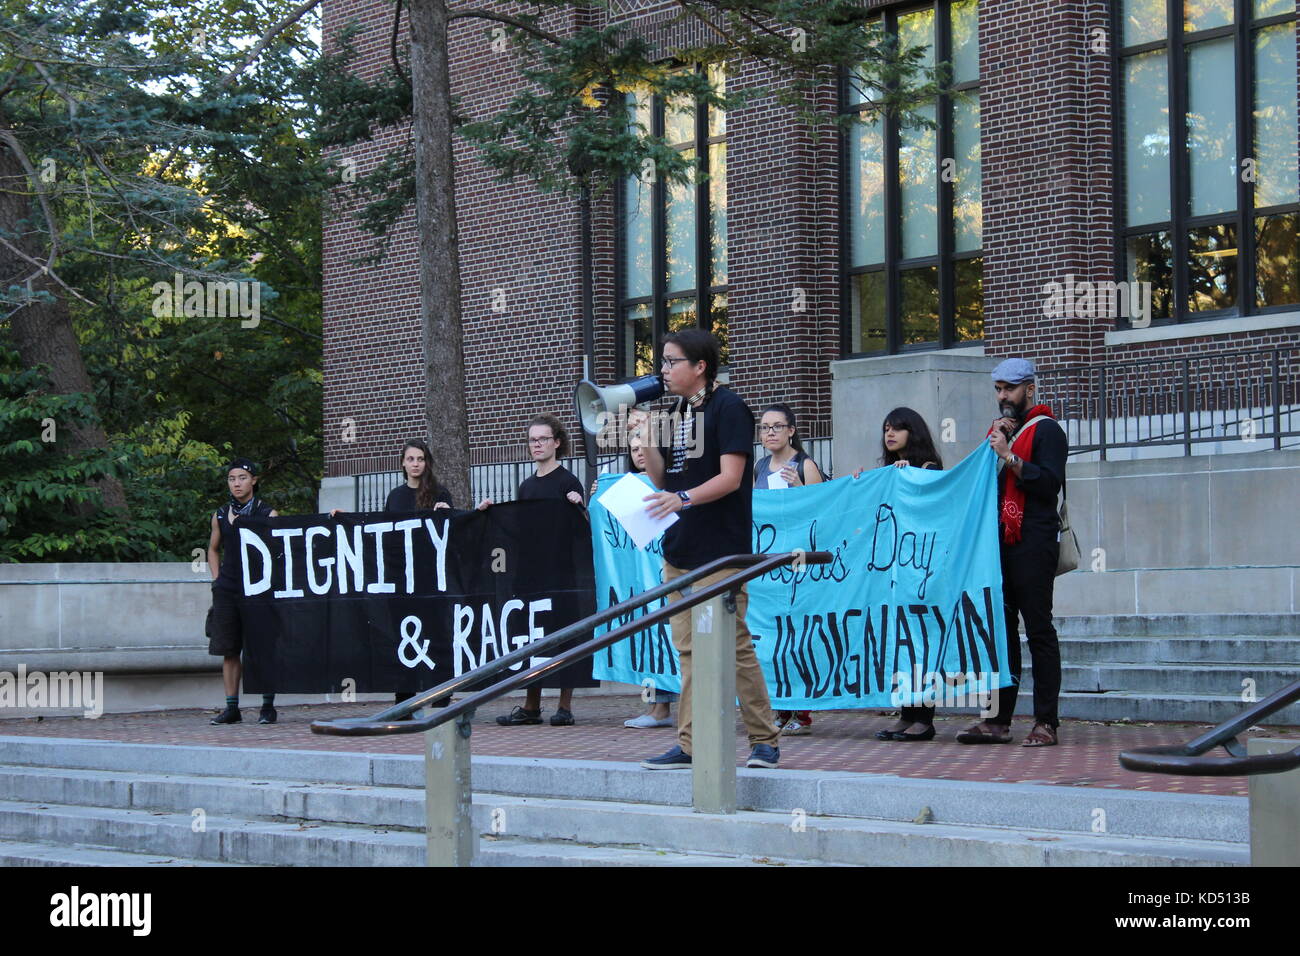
(160, 165)
(49, 505)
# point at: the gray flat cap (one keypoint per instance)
(1013, 371)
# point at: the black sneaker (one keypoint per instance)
(267, 715)
(562, 718)
(520, 716)
(230, 715)
(764, 755)
(675, 759)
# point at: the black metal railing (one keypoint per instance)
(393, 720)
(499, 480)
(1250, 396)
(1189, 758)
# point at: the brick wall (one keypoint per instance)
(1048, 194)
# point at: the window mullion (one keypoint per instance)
(703, 222)
(1245, 147)
(658, 238)
(945, 152)
(893, 221)
(1178, 167)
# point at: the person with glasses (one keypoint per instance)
(547, 443)
(704, 473)
(786, 465)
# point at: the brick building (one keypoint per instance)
(1086, 144)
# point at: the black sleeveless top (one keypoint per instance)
(228, 574)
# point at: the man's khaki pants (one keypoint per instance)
(755, 706)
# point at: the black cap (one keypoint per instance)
(245, 463)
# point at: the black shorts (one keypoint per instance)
(224, 628)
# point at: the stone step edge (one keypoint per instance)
(36, 853)
(1197, 850)
(1132, 814)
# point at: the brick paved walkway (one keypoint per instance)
(841, 740)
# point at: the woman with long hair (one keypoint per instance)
(421, 490)
(787, 465)
(905, 442)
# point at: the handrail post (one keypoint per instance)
(450, 839)
(713, 705)
(1274, 809)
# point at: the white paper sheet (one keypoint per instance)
(774, 480)
(623, 500)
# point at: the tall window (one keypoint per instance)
(673, 237)
(1209, 212)
(912, 248)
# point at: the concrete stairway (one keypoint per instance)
(1185, 667)
(76, 802)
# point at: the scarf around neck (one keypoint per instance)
(1012, 513)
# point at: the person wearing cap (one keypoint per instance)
(1031, 449)
(225, 629)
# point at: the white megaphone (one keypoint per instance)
(594, 405)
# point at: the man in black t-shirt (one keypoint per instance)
(705, 474)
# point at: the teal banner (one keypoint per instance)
(909, 612)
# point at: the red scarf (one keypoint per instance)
(1013, 496)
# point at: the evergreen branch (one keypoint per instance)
(392, 45)
(480, 14)
(247, 61)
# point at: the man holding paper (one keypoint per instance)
(706, 485)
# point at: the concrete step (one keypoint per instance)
(1179, 625)
(1214, 680)
(503, 851)
(855, 842)
(566, 825)
(223, 839)
(387, 789)
(1181, 650)
(13, 853)
(858, 796)
(1139, 705)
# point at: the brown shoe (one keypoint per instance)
(985, 733)
(1041, 736)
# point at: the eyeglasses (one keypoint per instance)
(772, 429)
(670, 362)
(541, 441)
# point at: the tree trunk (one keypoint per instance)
(446, 422)
(42, 331)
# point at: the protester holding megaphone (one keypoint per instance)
(704, 470)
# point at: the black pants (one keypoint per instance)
(918, 715)
(1028, 576)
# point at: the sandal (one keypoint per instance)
(985, 733)
(1041, 736)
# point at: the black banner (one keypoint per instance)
(405, 602)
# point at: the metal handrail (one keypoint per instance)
(389, 721)
(1186, 758)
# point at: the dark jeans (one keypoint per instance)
(1028, 576)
